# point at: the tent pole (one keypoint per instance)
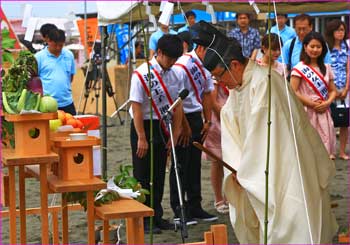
(104, 37)
(85, 30)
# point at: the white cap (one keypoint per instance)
(166, 13)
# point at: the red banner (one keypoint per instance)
(91, 30)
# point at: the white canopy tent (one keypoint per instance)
(112, 12)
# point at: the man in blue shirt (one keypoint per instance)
(285, 32)
(190, 21)
(291, 56)
(248, 37)
(56, 69)
(153, 40)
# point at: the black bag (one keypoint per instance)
(340, 115)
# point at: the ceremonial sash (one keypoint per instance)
(157, 86)
(313, 78)
(190, 76)
(224, 88)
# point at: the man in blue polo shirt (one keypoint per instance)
(285, 32)
(56, 69)
(292, 48)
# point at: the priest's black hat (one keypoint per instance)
(222, 52)
(204, 34)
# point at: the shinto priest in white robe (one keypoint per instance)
(244, 147)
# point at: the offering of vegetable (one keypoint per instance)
(21, 87)
(48, 104)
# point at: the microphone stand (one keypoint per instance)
(181, 220)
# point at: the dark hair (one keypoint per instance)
(138, 43)
(247, 14)
(57, 35)
(222, 53)
(170, 45)
(331, 27)
(190, 13)
(304, 57)
(280, 14)
(46, 28)
(302, 17)
(275, 42)
(186, 37)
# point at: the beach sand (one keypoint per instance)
(119, 152)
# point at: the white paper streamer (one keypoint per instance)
(112, 187)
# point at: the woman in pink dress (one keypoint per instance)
(312, 81)
(213, 142)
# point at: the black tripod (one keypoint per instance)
(93, 81)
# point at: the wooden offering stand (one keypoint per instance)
(32, 148)
(129, 209)
(75, 174)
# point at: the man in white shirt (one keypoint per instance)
(200, 84)
(165, 87)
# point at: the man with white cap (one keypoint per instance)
(200, 84)
(300, 170)
(163, 21)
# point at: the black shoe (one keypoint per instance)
(203, 215)
(156, 230)
(164, 224)
(189, 221)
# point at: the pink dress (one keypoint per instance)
(213, 140)
(322, 122)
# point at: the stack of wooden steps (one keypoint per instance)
(216, 235)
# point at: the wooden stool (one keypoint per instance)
(87, 185)
(11, 160)
(129, 209)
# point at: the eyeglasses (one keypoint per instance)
(219, 77)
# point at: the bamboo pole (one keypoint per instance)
(151, 125)
(266, 222)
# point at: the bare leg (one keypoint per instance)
(343, 138)
(217, 175)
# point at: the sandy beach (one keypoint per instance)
(119, 152)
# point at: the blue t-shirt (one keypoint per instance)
(339, 59)
(286, 33)
(295, 59)
(153, 40)
(55, 74)
(184, 28)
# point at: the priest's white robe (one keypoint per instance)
(298, 206)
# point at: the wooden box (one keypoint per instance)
(76, 158)
(31, 132)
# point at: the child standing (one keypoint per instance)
(312, 82)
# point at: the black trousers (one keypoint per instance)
(189, 163)
(142, 166)
(69, 108)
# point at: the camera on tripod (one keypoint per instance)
(93, 71)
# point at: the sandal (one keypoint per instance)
(344, 157)
(332, 157)
(221, 207)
